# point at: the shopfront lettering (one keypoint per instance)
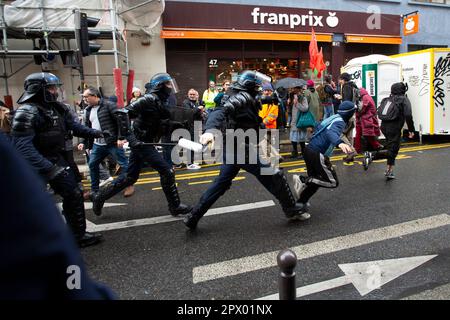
(293, 20)
(441, 70)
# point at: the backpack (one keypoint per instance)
(389, 109)
(356, 98)
(326, 124)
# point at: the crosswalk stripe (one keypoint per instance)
(91, 227)
(267, 260)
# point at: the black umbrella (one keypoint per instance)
(290, 83)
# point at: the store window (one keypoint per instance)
(220, 70)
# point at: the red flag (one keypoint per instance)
(320, 64)
(313, 50)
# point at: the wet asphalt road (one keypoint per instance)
(160, 260)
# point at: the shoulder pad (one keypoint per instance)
(23, 120)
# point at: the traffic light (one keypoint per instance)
(86, 46)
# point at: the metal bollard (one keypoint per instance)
(287, 260)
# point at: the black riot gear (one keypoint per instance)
(39, 129)
(162, 84)
(151, 120)
(37, 85)
(239, 110)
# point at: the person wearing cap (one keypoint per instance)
(312, 96)
(321, 173)
(136, 94)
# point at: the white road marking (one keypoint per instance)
(88, 205)
(268, 260)
(163, 219)
(365, 276)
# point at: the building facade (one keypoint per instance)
(215, 40)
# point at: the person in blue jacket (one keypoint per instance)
(320, 171)
(39, 258)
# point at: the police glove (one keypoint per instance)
(207, 139)
(98, 134)
(57, 171)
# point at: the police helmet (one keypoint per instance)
(37, 83)
(252, 80)
(161, 82)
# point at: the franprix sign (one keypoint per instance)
(294, 20)
(231, 17)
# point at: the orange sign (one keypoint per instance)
(411, 24)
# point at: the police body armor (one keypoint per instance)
(242, 110)
(151, 115)
(50, 128)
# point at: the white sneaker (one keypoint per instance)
(193, 166)
(105, 182)
(299, 186)
(301, 217)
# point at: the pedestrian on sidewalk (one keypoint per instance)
(299, 104)
(393, 112)
(321, 173)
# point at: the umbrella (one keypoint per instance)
(290, 83)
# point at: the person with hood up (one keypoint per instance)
(367, 127)
(321, 173)
(399, 106)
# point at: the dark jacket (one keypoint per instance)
(36, 247)
(152, 117)
(39, 133)
(193, 105)
(405, 114)
(347, 91)
(108, 122)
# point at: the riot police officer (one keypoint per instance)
(239, 110)
(152, 119)
(39, 128)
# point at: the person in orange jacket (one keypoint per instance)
(269, 111)
(269, 115)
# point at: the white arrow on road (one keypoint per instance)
(365, 276)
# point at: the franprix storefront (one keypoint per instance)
(206, 41)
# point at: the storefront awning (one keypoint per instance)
(242, 35)
(351, 38)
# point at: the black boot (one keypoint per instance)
(106, 192)
(73, 210)
(192, 218)
(170, 190)
(283, 193)
(89, 239)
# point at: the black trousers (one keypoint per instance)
(66, 186)
(320, 174)
(393, 134)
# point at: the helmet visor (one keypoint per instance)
(262, 78)
(172, 84)
(54, 92)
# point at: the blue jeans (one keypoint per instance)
(99, 153)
